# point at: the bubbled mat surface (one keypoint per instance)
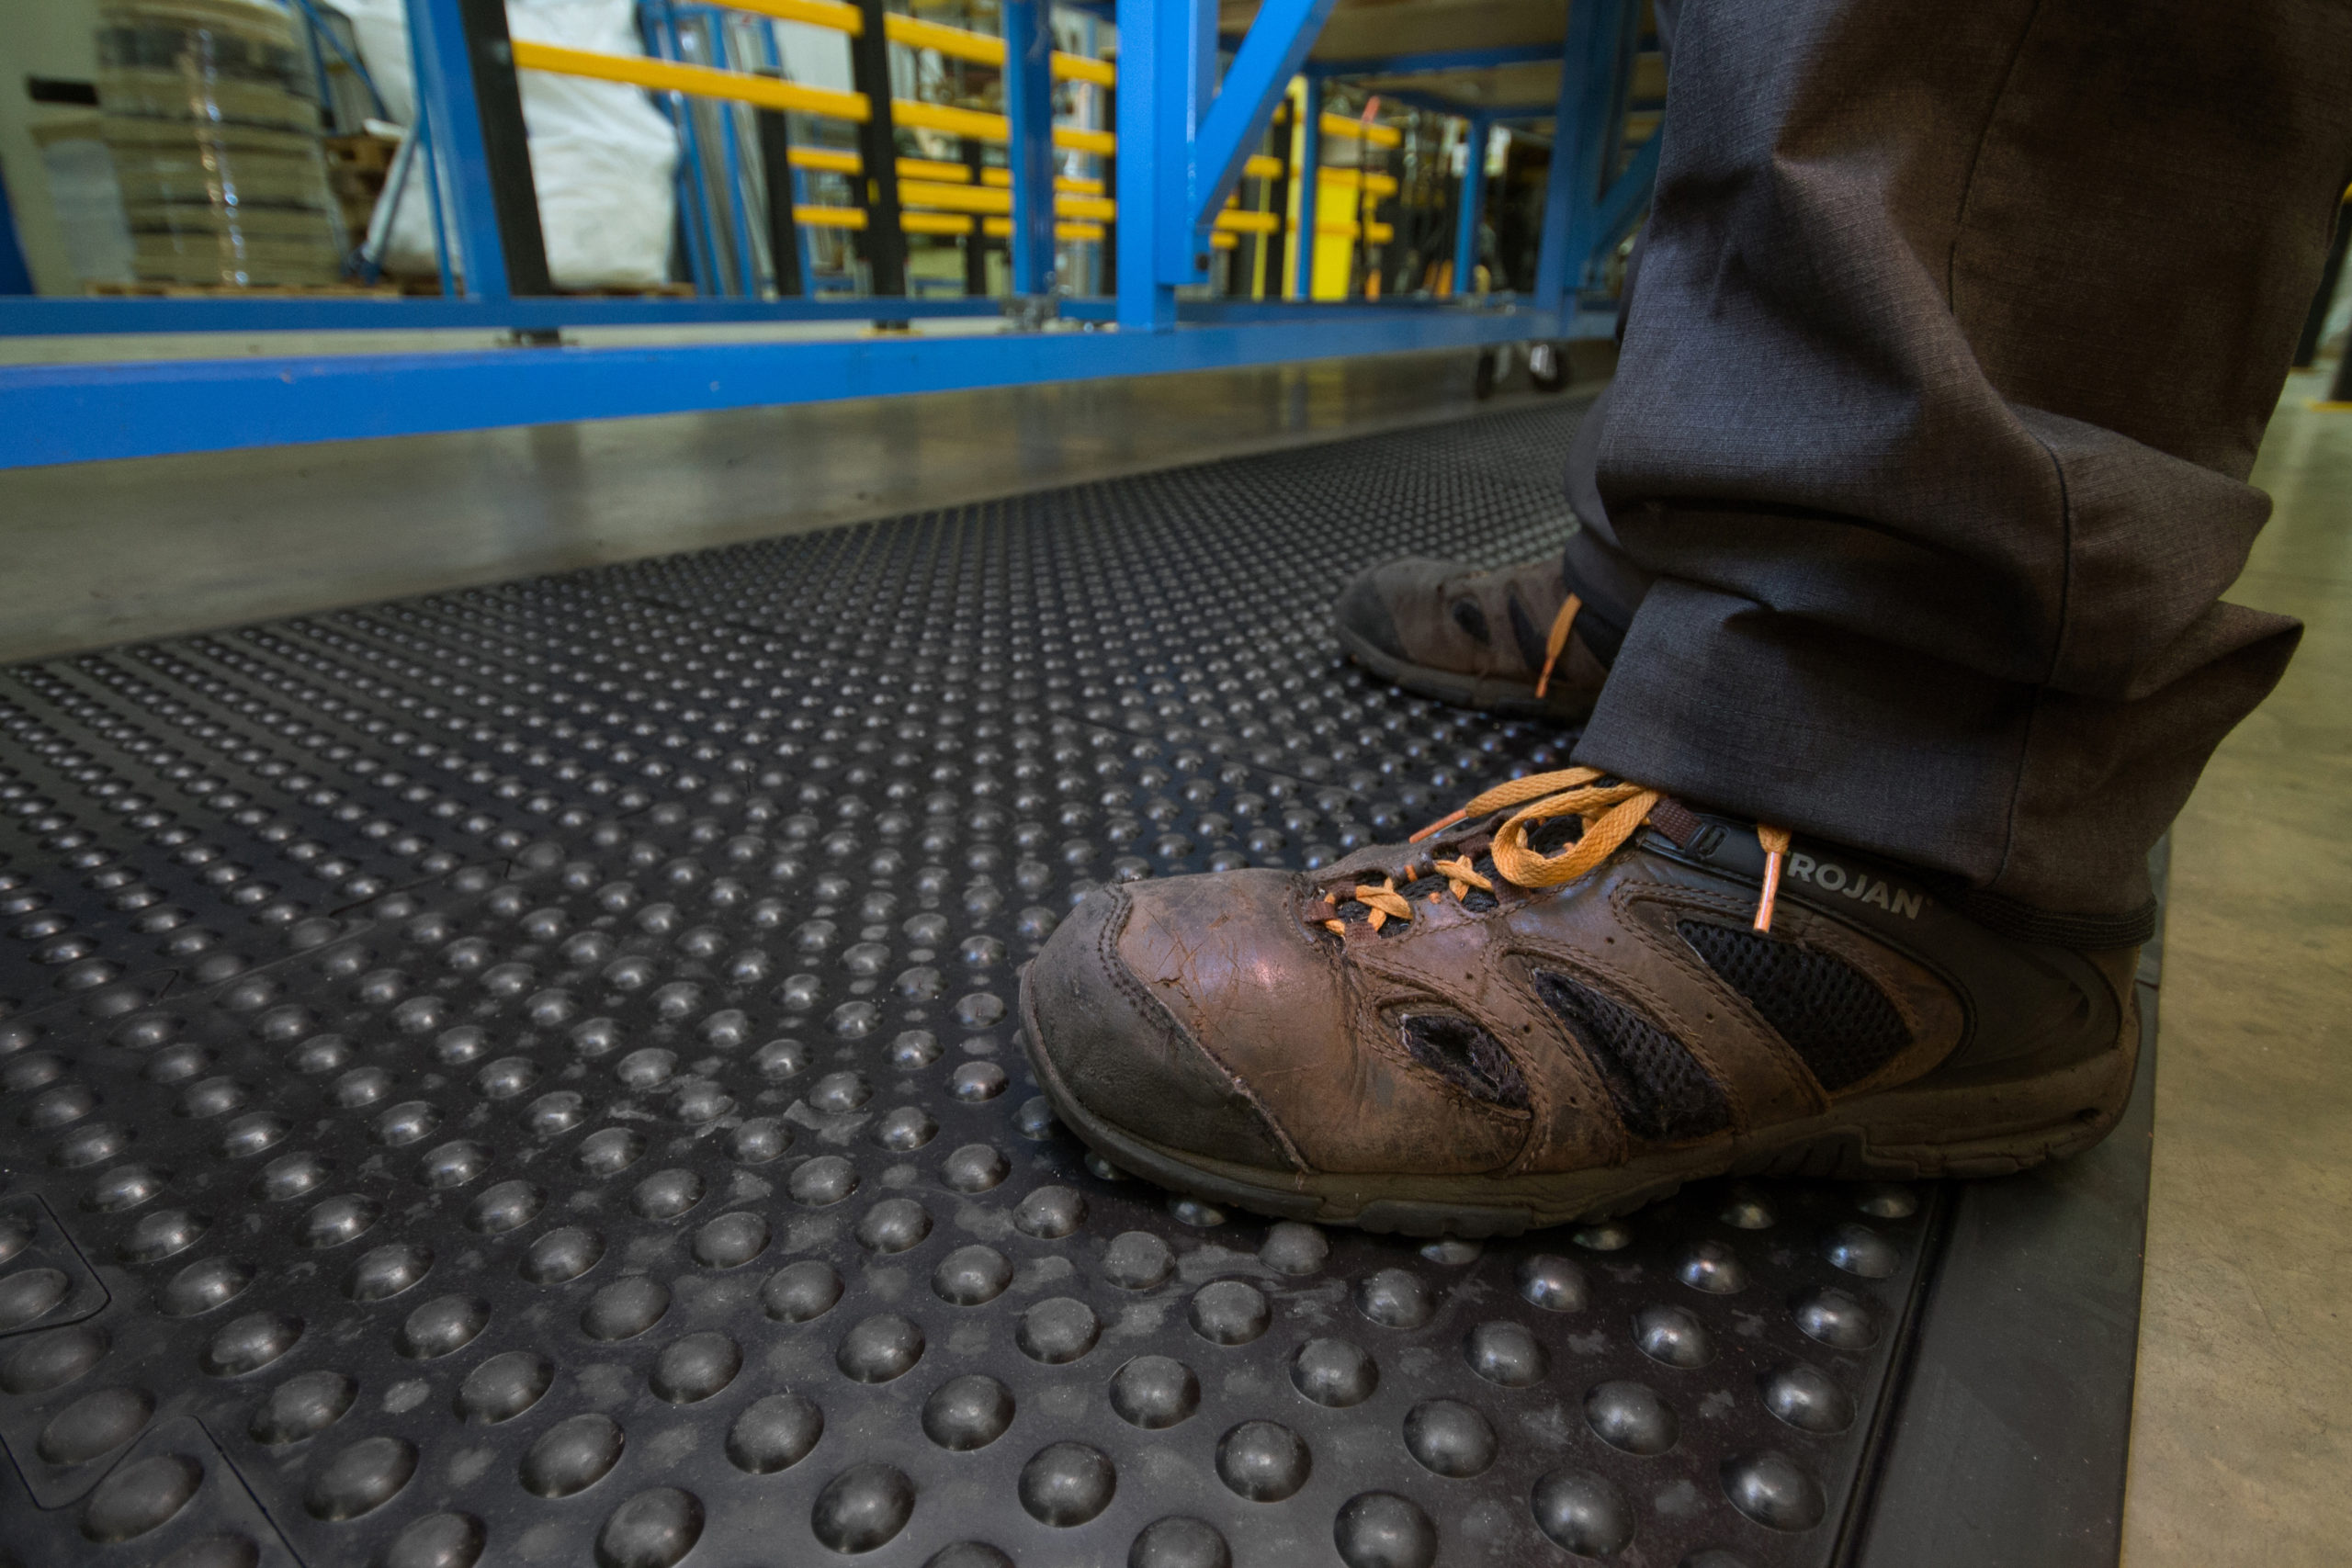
(527, 1075)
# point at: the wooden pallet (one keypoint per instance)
(366, 154)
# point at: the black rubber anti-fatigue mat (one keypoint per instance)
(525, 1075)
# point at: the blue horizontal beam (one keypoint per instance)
(1240, 311)
(48, 318)
(81, 412)
(1431, 61)
(59, 318)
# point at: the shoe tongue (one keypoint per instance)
(1676, 821)
(1550, 838)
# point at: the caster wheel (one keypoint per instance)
(1547, 368)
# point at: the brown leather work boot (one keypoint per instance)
(1563, 1011)
(1501, 639)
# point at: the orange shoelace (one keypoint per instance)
(1557, 641)
(1610, 810)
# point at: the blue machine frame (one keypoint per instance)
(1186, 128)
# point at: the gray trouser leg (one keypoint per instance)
(1956, 332)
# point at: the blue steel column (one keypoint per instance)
(1029, 104)
(1586, 128)
(1153, 37)
(746, 254)
(1473, 202)
(318, 65)
(1310, 181)
(1185, 66)
(429, 172)
(658, 24)
(1095, 118)
(445, 90)
(1194, 138)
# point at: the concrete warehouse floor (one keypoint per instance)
(101, 553)
(2240, 1445)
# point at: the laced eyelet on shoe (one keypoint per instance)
(1609, 810)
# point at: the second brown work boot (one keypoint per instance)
(1500, 638)
(1566, 1003)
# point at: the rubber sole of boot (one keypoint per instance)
(1488, 693)
(1910, 1132)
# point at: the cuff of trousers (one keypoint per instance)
(1730, 704)
(1610, 585)
(1592, 565)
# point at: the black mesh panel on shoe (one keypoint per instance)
(1466, 1056)
(1660, 1091)
(1471, 619)
(1829, 1012)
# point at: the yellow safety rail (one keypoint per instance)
(1249, 222)
(828, 13)
(838, 161)
(832, 161)
(1371, 180)
(954, 198)
(1379, 135)
(704, 80)
(981, 125)
(933, 169)
(933, 223)
(1001, 229)
(982, 50)
(945, 188)
(914, 33)
(995, 199)
(767, 91)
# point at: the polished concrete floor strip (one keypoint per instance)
(2240, 1445)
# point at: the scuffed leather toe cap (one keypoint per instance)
(1363, 609)
(1104, 1041)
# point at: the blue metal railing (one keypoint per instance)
(1184, 129)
